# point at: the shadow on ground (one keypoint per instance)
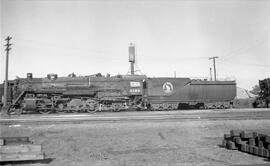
(45, 161)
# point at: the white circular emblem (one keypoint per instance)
(167, 87)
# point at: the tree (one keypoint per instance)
(255, 90)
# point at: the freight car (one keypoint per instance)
(122, 92)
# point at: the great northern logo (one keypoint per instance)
(167, 87)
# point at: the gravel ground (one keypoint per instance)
(138, 143)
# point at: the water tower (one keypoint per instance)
(131, 51)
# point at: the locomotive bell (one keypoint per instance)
(52, 76)
(29, 76)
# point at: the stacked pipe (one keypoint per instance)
(250, 142)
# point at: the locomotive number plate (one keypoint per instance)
(134, 90)
(134, 84)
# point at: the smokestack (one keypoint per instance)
(131, 50)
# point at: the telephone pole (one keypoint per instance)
(214, 62)
(6, 79)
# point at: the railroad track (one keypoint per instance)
(139, 116)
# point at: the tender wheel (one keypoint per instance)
(213, 107)
(170, 108)
(202, 107)
(45, 111)
(222, 107)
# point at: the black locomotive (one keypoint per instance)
(114, 93)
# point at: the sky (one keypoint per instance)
(90, 36)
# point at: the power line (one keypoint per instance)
(237, 51)
(246, 64)
(47, 45)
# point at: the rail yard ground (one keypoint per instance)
(138, 138)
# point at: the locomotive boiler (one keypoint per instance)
(115, 93)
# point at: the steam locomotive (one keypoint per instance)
(114, 93)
